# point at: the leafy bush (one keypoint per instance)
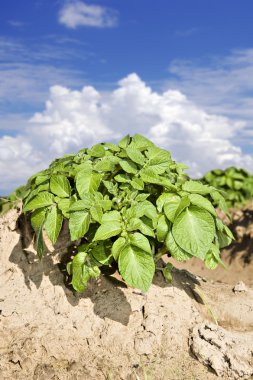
(236, 184)
(126, 205)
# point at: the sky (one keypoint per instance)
(74, 73)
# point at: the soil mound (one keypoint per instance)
(112, 331)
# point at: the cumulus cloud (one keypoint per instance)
(75, 119)
(222, 84)
(77, 13)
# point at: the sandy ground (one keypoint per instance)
(114, 332)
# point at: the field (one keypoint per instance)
(115, 332)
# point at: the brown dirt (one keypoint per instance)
(112, 331)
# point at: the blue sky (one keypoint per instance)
(202, 49)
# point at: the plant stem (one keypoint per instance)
(162, 252)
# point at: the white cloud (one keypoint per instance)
(16, 23)
(78, 13)
(75, 119)
(28, 70)
(220, 84)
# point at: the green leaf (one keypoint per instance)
(59, 185)
(81, 205)
(175, 250)
(157, 155)
(117, 247)
(159, 159)
(142, 197)
(144, 208)
(97, 151)
(107, 230)
(171, 206)
(212, 258)
(39, 243)
(124, 142)
(228, 232)
(167, 272)
(184, 203)
(148, 176)
(38, 218)
(215, 251)
(87, 182)
(94, 271)
(163, 198)
(83, 247)
(140, 142)
(202, 202)
(128, 166)
(41, 179)
(152, 223)
(107, 164)
(136, 267)
(219, 224)
(100, 254)
(106, 204)
(63, 205)
(162, 228)
(196, 188)
(223, 239)
(137, 183)
(216, 195)
(37, 190)
(80, 272)
(53, 223)
(111, 217)
(138, 224)
(193, 230)
(96, 213)
(112, 147)
(140, 241)
(124, 178)
(223, 206)
(79, 223)
(43, 199)
(85, 167)
(112, 188)
(135, 155)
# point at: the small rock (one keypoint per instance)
(240, 287)
(240, 231)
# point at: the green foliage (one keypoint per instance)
(126, 204)
(235, 184)
(12, 200)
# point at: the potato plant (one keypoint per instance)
(126, 205)
(236, 184)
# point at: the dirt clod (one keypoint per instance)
(227, 353)
(240, 287)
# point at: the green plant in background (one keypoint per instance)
(12, 200)
(235, 184)
(126, 204)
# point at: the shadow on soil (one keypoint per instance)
(245, 243)
(105, 293)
